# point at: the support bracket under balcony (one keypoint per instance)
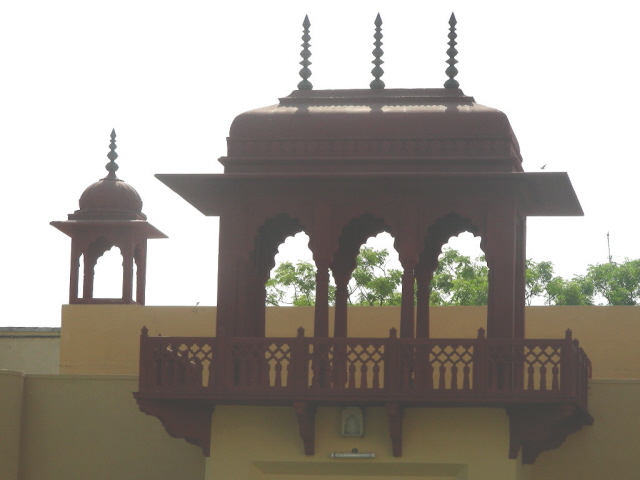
(183, 419)
(536, 428)
(306, 414)
(395, 413)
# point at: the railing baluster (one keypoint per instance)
(543, 377)
(441, 383)
(364, 381)
(465, 378)
(554, 381)
(530, 374)
(376, 377)
(392, 372)
(352, 375)
(566, 365)
(454, 377)
(480, 363)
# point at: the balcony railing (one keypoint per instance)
(365, 371)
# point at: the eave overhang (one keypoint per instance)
(543, 193)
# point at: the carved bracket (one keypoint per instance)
(395, 413)
(188, 420)
(306, 415)
(539, 428)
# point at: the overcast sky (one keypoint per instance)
(171, 76)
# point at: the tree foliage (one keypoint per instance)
(460, 280)
(619, 284)
(374, 284)
(292, 285)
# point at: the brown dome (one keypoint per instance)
(110, 198)
(390, 130)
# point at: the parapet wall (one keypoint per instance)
(104, 339)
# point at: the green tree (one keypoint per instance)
(619, 284)
(374, 283)
(577, 291)
(458, 280)
(292, 285)
(537, 277)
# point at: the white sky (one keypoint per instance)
(171, 76)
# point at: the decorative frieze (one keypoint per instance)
(454, 147)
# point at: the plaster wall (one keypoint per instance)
(89, 427)
(11, 394)
(608, 449)
(262, 443)
(104, 339)
(30, 350)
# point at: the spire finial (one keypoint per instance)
(377, 56)
(112, 166)
(305, 73)
(452, 71)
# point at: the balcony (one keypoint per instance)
(539, 382)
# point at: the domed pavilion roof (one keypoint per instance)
(110, 198)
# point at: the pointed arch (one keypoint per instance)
(438, 235)
(354, 235)
(270, 235)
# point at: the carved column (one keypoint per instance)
(340, 327)
(127, 272)
(321, 320)
(74, 271)
(141, 271)
(407, 308)
(424, 275)
(502, 260)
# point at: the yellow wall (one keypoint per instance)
(86, 428)
(89, 426)
(104, 339)
(262, 443)
(610, 448)
(11, 390)
(30, 350)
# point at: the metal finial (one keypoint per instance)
(452, 71)
(112, 166)
(377, 54)
(305, 73)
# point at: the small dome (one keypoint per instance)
(110, 198)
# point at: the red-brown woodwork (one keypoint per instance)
(344, 165)
(395, 414)
(182, 419)
(306, 414)
(536, 428)
(307, 372)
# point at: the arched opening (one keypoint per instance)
(439, 267)
(360, 290)
(270, 236)
(107, 282)
(292, 280)
(377, 277)
(462, 275)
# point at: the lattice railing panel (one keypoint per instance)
(436, 366)
(182, 364)
(415, 368)
(259, 363)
